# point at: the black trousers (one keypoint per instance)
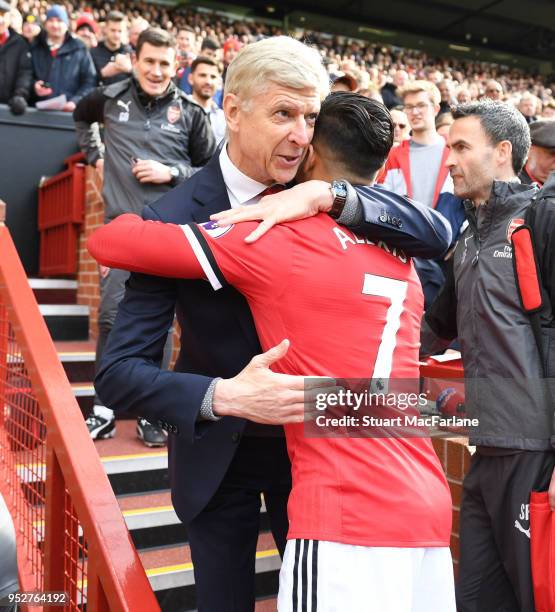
(223, 536)
(494, 566)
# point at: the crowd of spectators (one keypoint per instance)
(371, 69)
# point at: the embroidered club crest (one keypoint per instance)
(513, 224)
(214, 230)
(173, 114)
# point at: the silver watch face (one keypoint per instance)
(174, 172)
(339, 189)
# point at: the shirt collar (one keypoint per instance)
(240, 188)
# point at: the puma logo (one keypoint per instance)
(125, 105)
(526, 532)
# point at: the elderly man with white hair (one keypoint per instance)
(223, 405)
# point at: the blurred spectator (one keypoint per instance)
(16, 20)
(401, 126)
(390, 93)
(528, 106)
(447, 92)
(30, 29)
(112, 58)
(541, 158)
(209, 48)
(86, 29)
(232, 46)
(494, 90)
(61, 63)
(372, 92)
(548, 111)
(443, 123)
(138, 25)
(16, 76)
(343, 81)
(187, 40)
(205, 79)
(462, 95)
(416, 168)
(186, 53)
(139, 169)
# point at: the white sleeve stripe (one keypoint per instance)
(201, 256)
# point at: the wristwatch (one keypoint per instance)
(174, 173)
(339, 193)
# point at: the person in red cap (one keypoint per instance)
(86, 29)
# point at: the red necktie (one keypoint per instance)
(3, 39)
(271, 190)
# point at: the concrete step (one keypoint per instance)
(84, 393)
(66, 321)
(152, 521)
(54, 291)
(78, 360)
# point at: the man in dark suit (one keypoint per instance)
(223, 452)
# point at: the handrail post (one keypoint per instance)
(96, 596)
(55, 540)
(4, 331)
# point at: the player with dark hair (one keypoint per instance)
(369, 518)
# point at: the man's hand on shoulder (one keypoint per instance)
(263, 396)
(150, 171)
(299, 202)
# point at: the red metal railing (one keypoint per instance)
(71, 535)
(60, 215)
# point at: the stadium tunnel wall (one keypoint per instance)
(453, 453)
(34, 145)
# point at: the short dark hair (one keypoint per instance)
(500, 121)
(209, 43)
(358, 131)
(116, 16)
(185, 28)
(202, 60)
(155, 37)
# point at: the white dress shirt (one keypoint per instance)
(241, 189)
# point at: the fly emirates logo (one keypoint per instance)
(347, 238)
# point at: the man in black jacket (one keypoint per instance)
(155, 139)
(112, 57)
(61, 63)
(15, 65)
(504, 389)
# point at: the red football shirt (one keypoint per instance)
(351, 309)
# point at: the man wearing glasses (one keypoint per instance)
(416, 168)
(400, 125)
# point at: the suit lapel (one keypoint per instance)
(210, 194)
(209, 197)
